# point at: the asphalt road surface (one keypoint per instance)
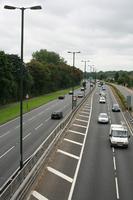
(84, 166)
(37, 125)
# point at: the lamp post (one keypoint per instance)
(73, 52)
(21, 73)
(91, 68)
(85, 61)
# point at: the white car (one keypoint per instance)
(102, 100)
(103, 118)
(118, 135)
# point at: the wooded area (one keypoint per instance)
(46, 72)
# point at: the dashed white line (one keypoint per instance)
(85, 112)
(81, 120)
(17, 127)
(85, 109)
(26, 136)
(117, 188)
(39, 126)
(38, 196)
(5, 134)
(114, 162)
(77, 132)
(83, 116)
(79, 125)
(32, 118)
(47, 119)
(74, 142)
(68, 154)
(113, 149)
(7, 151)
(60, 174)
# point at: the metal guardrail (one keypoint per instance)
(24, 178)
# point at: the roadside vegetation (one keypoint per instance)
(11, 111)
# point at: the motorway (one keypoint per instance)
(84, 166)
(37, 125)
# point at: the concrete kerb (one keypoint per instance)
(30, 177)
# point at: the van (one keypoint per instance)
(118, 135)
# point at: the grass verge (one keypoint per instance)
(12, 111)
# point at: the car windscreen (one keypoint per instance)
(116, 133)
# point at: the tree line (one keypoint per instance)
(46, 72)
(120, 77)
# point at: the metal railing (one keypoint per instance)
(21, 182)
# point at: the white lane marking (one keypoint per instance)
(60, 174)
(77, 132)
(81, 154)
(85, 109)
(114, 162)
(74, 142)
(117, 188)
(83, 116)
(48, 108)
(47, 119)
(17, 127)
(5, 134)
(38, 196)
(81, 120)
(26, 136)
(68, 154)
(79, 125)
(7, 151)
(87, 106)
(84, 112)
(32, 118)
(39, 126)
(113, 149)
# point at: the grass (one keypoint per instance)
(12, 111)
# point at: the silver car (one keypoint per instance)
(103, 118)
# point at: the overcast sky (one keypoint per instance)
(101, 29)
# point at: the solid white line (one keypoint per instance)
(47, 119)
(114, 162)
(117, 189)
(84, 112)
(68, 154)
(81, 120)
(39, 126)
(38, 196)
(60, 174)
(79, 125)
(77, 132)
(81, 154)
(83, 116)
(5, 134)
(26, 136)
(7, 152)
(78, 143)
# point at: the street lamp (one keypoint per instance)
(73, 52)
(91, 68)
(85, 61)
(21, 73)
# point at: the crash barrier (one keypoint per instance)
(19, 184)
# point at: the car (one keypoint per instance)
(70, 92)
(118, 135)
(116, 108)
(80, 95)
(91, 84)
(61, 97)
(103, 87)
(82, 89)
(103, 118)
(102, 100)
(57, 115)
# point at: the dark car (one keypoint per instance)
(70, 92)
(61, 97)
(57, 115)
(115, 108)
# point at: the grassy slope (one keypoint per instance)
(11, 111)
